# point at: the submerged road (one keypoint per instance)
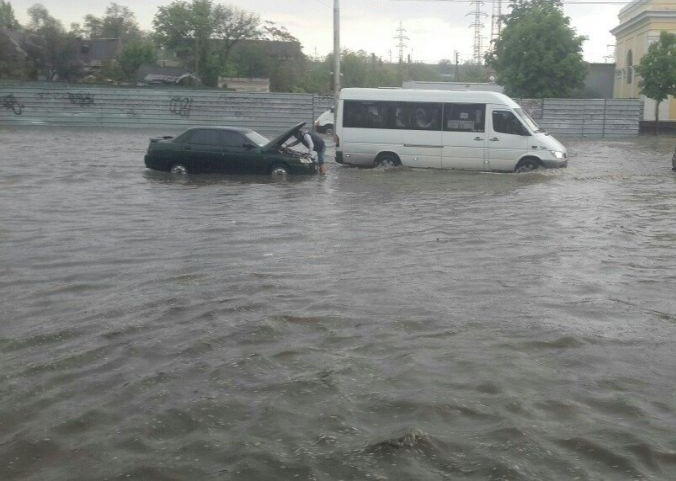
(364, 325)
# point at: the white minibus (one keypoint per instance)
(468, 130)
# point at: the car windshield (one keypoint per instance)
(528, 120)
(257, 138)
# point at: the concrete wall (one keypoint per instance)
(171, 109)
(175, 109)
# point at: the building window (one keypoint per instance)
(630, 67)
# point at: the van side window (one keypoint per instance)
(416, 116)
(365, 114)
(505, 122)
(464, 117)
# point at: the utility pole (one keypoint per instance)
(336, 53)
(456, 78)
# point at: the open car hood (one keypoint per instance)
(276, 143)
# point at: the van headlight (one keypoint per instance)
(558, 154)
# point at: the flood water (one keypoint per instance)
(365, 325)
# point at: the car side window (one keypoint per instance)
(505, 122)
(232, 139)
(205, 137)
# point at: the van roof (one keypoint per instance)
(420, 95)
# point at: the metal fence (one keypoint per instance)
(83, 106)
(167, 108)
(586, 117)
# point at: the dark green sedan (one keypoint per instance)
(228, 150)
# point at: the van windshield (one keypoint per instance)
(528, 120)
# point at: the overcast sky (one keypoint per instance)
(435, 28)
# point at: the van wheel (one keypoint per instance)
(527, 165)
(387, 161)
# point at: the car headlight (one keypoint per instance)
(305, 160)
(558, 155)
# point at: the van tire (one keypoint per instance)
(527, 164)
(387, 160)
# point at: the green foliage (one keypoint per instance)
(118, 22)
(203, 34)
(360, 69)
(135, 54)
(7, 18)
(658, 69)
(52, 51)
(538, 54)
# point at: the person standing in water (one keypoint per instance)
(314, 143)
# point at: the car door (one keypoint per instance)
(507, 139)
(240, 155)
(203, 151)
(464, 137)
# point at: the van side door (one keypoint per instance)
(464, 136)
(508, 139)
(420, 126)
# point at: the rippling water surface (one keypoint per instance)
(370, 324)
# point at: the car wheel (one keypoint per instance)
(178, 169)
(387, 161)
(527, 165)
(279, 170)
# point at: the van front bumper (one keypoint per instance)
(555, 163)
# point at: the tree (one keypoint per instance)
(272, 31)
(658, 71)
(232, 25)
(203, 34)
(51, 49)
(118, 22)
(7, 18)
(538, 53)
(133, 55)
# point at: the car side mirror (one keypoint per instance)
(249, 146)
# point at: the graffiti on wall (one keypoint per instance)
(180, 106)
(74, 98)
(80, 99)
(10, 102)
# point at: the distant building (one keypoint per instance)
(239, 84)
(157, 75)
(94, 53)
(419, 84)
(640, 25)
